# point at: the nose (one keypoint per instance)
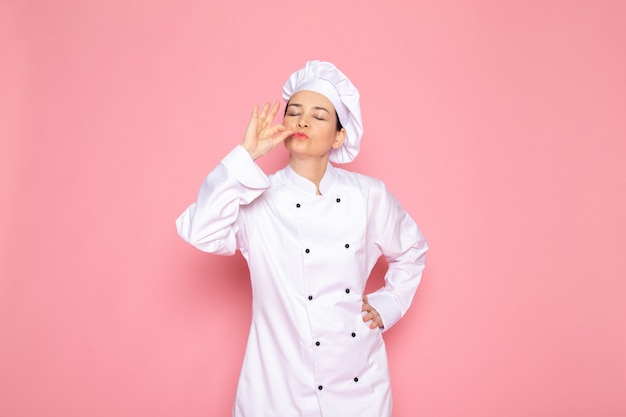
(302, 122)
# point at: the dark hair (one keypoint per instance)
(339, 125)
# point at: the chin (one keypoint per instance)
(293, 145)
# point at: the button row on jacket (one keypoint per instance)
(318, 343)
(321, 387)
(298, 205)
(310, 297)
(307, 250)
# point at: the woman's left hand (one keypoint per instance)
(372, 315)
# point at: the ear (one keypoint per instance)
(340, 137)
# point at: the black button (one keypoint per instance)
(356, 379)
(320, 387)
(339, 200)
(298, 205)
(347, 245)
(317, 343)
(307, 251)
(310, 297)
(353, 334)
(347, 290)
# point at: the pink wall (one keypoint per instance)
(501, 126)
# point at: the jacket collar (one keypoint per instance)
(306, 186)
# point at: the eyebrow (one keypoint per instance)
(314, 107)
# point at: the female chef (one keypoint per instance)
(311, 234)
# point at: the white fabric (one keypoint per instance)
(301, 298)
(326, 79)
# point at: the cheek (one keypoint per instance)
(288, 121)
(287, 143)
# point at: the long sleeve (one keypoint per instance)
(401, 242)
(211, 223)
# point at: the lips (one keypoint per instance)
(300, 135)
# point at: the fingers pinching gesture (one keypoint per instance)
(261, 137)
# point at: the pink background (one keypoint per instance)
(500, 126)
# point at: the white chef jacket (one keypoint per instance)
(309, 354)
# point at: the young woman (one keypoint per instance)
(311, 234)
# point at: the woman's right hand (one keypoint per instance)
(261, 137)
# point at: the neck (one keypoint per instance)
(313, 169)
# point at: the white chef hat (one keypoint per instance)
(325, 78)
